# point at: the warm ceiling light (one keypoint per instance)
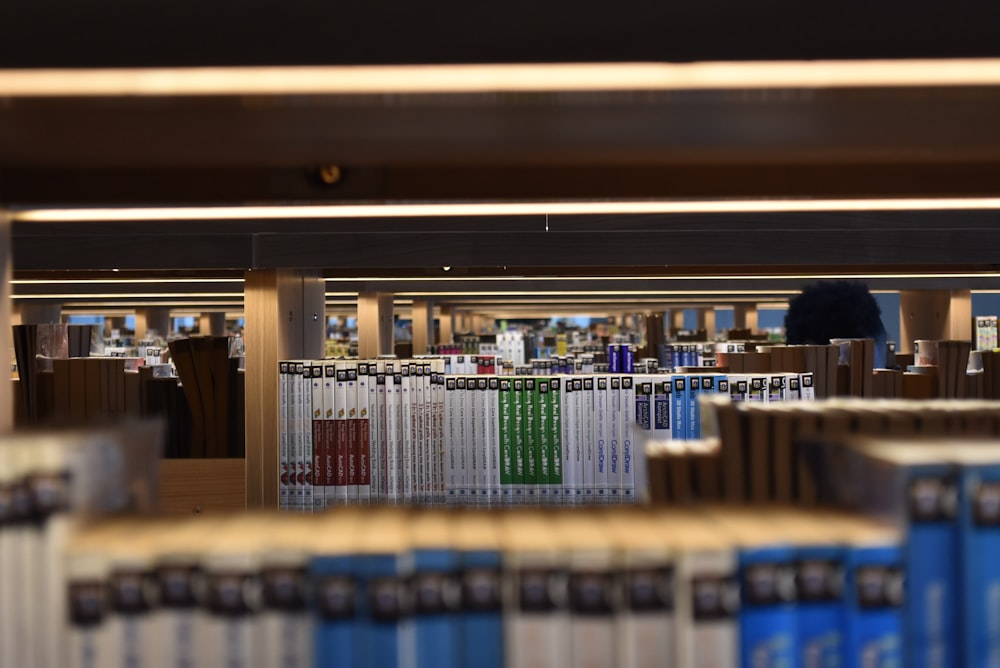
(654, 277)
(323, 212)
(495, 78)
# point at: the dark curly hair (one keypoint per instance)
(833, 310)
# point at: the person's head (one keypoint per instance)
(833, 310)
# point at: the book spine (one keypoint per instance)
(353, 436)
(806, 386)
(407, 432)
(543, 426)
(227, 634)
(589, 400)
(464, 440)
(284, 459)
(342, 450)
(979, 517)
(393, 391)
(364, 438)
(327, 471)
(537, 623)
(614, 449)
(678, 422)
(768, 621)
(451, 440)
(285, 630)
(381, 430)
(439, 427)
(646, 622)
(531, 456)
(707, 612)
(314, 490)
(873, 586)
(518, 442)
(493, 421)
(419, 401)
(436, 624)
(594, 605)
(476, 435)
(336, 638)
(506, 444)
(386, 627)
(819, 595)
(482, 618)
(485, 443)
(602, 429)
(691, 414)
(578, 427)
(628, 440)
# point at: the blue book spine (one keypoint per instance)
(873, 602)
(768, 629)
(628, 358)
(679, 397)
(691, 423)
(383, 610)
(481, 617)
(614, 358)
(336, 631)
(819, 594)
(979, 518)
(435, 608)
(930, 555)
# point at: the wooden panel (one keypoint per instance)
(279, 326)
(375, 324)
(202, 485)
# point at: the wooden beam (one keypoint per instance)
(152, 320)
(423, 326)
(212, 323)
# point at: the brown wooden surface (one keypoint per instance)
(202, 485)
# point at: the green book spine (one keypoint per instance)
(543, 426)
(517, 434)
(531, 458)
(555, 440)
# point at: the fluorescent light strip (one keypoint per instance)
(120, 281)
(585, 293)
(137, 295)
(453, 209)
(656, 277)
(496, 78)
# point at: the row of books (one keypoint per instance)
(385, 587)
(754, 452)
(985, 332)
(50, 483)
(943, 495)
(404, 432)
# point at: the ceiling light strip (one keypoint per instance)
(496, 78)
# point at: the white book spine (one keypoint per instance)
(628, 440)
(462, 446)
(439, 447)
(326, 474)
(369, 454)
(568, 428)
(475, 435)
(379, 444)
(615, 431)
(493, 423)
(589, 440)
(579, 429)
(283, 449)
(341, 445)
(298, 447)
(451, 441)
(806, 386)
(646, 623)
(354, 467)
(602, 426)
(89, 644)
(592, 601)
(537, 629)
(485, 440)
(130, 626)
(407, 432)
(707, 609)
(393, 464)
(427, 436)
(418, 403)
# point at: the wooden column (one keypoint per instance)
(676, 318)
(446, 325)
(935, 315)
(375, 324)
(706, 321)
(212, 323)
(284, 320)
(745, 316)
(155, 319)
(6, 389)
(423, 326)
